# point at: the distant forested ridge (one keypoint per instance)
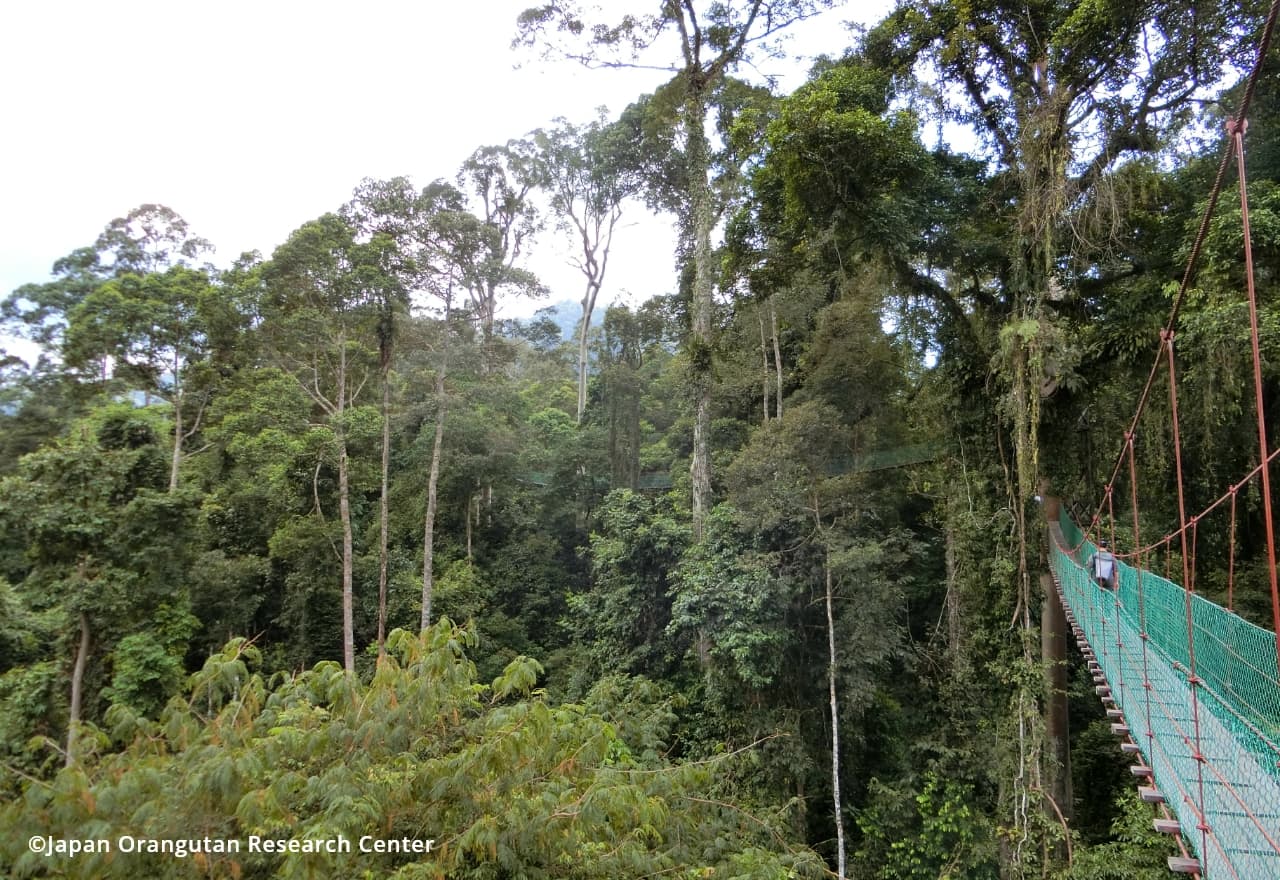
(742, 581)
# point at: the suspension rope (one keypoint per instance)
(1231, 556)
(1142, 605)
(1193, 259)
(1193, 680)
(1217, 502)
(1237, 129)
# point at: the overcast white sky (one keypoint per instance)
(250, 117)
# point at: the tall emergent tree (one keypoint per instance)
(384, 214)
(714, 37)
(454, 256)
(499, 181)
(580, 168)
(321, 313)
(153, 328)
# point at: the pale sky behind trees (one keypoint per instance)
(251, 117)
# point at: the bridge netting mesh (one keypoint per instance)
(1195, 688)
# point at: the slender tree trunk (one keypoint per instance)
(633, 443)
(177, 427)
(955, 634)
(588, 306)
(467, 516)
(344, 512)
(764, 354)
(835, 719)
(77, 687)
(383, 512)
(433, 481)
(429, 530)
(700, 350)
(777, 353)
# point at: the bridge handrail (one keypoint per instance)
(1235, 659)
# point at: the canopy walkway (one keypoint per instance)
(1194, 693)
(879, 460)
(1193, 689)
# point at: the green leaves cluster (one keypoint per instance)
(500, 778)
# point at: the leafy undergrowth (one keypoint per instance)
(504, 784)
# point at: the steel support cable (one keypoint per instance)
(1226, 496)
(1237, 129)
(1194, 524)
(1193, 259)
(1142, 605)
(1231, 557)
(1192, 679)
(1115, 573)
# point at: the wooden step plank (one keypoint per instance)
(1130, 748)
(1150, 794)
(1141, 770)
(1115, 714)
(1120, 729)
(1167, 826)
(1183, 865)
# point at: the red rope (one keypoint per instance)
(1142, 606)
(1194, 539)
(1193, 679)
(1193, 259)
(1237, 130)
(1231, 557)
(1218, 502)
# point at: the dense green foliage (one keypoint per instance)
(695, 545)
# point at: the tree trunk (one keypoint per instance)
(383, 513)
(835, 720)
(588, 306)
(700, 351)
(1053, 649)
(467, 517)
(764, 354)
(433, 481)
(777, 353)
(429, 530)
(955, 633)
(77, 687)
(344, 512)
(177, 427)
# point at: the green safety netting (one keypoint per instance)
(1228, 804)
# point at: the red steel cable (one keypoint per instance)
(1194, 539)
(1218, 502)
(1231, 557)
(1142, 606)
(1193, 680)
(1115, 570)
(1264, 46)
(1237, 129)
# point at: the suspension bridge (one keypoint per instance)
(1191, 688)
(1193, 692)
